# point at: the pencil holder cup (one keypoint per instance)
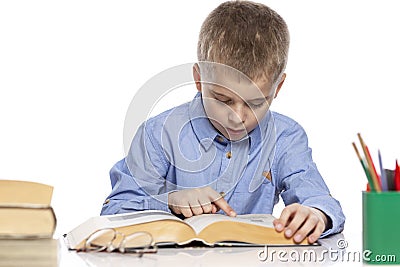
(381, 227)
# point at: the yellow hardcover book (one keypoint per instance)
(14, 191)
(29, 253)
(210, 229)
(25, 210)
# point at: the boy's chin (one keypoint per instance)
(230, 134)
(236, 137)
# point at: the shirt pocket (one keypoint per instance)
(243, 201)
(259, 186)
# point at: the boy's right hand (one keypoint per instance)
(189, 202)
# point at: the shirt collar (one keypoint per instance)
(207, 134)
(261, 132)
(202, 127)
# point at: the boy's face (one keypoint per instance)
(233, 103)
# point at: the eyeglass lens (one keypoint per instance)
(106, 239)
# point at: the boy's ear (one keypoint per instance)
(280, 85)
(197, 77)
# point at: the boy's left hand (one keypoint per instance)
(300, 221)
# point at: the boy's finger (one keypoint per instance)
(184, 209)
(218, 200)
(207, 207)
(300, 217)
(278, 225)
(196, 210)
(283, 220)
(223, 205)
(175, 210)
(205, 203)
(316, 234)
(195, 207)
(214, 209)
(311, 224)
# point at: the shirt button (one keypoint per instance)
(107, 201)
(229, 155)
(220, 139)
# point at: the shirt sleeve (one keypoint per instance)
(138, 181)
(300, 180)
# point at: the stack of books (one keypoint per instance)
(27, 224)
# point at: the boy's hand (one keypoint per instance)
(301, 221)
(197, 201)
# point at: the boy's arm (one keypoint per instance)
(301, 182)
(138, 184)
(127, 195)
(138, 181)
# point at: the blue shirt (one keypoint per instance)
(180, 149)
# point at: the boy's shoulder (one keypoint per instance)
(283, 120)
(174, 115)
(285, 124)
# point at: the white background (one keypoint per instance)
(68, 71)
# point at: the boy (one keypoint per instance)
(225, 151)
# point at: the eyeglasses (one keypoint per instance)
(108, 239)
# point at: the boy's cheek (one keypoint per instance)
(216, 112)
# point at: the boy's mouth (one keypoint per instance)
(233, 132)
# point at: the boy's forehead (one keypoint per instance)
(228, 82)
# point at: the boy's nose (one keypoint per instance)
(237, 114)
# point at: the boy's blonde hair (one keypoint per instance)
(247, 36)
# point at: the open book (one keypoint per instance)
(25, 210)
(211, 229)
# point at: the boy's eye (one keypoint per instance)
(224, 100)
(258, 105)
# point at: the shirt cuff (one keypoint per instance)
(159, 202)
(332, 209)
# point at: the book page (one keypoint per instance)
(123, 219)
(199, 222)
(41, 222)
(13, 191)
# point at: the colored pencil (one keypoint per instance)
(375, 175)
(383, 173)
(369, 178)
(397, 177)
(371, 167)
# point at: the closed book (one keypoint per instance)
(25, 210)
(29, 253)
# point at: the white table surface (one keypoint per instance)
(229, 256)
